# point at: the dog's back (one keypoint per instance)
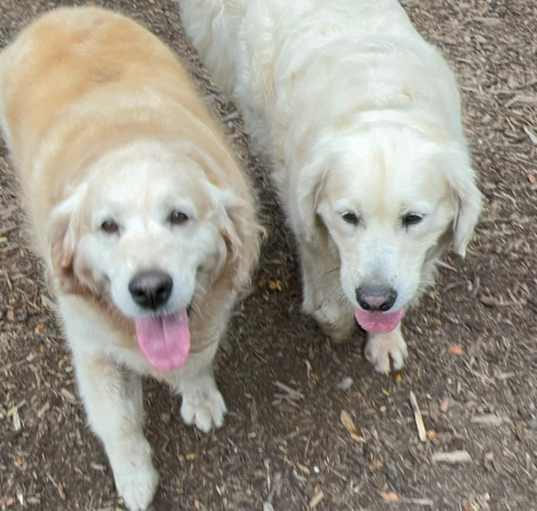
(72, 54)
(213, 26)
(79, 82)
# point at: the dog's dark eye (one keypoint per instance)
(411, 219)
(351, 218)
(177, 217)
(110, 227)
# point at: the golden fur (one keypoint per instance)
(80, 86)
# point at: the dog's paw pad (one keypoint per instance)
(137, 486)
(204, 407)
(386, 352)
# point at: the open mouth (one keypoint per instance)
(378, 322)
(164, 340)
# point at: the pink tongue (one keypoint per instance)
(378, 322)
(164, 340)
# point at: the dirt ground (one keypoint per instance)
(284, 447)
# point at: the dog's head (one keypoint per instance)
(390, 200)
(150, 233)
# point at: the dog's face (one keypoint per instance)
(152, 236)
(386, 202)
(149, 235)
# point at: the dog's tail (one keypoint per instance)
(213, 27)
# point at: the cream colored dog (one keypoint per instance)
(360, 118)
(142, 215)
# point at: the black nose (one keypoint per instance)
(151, 289)
(376, 298)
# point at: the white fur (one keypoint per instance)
(357, 113)
(112, 396)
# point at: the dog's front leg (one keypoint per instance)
(386, 350)
(203, 404)
(323, 296)
(113, 400)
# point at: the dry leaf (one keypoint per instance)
(432, 435)
(444, 405)
(456, 349)
(275, 285)
(376, 465)
(390, 496)
(40, 329)
(316, 499)
(348, 422)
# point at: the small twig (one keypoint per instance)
(14, 413)
(489, 420)
(452, 457)
(56, 485)
(422, 432)
(445, 265)
(418, 502)
(490, 301)
(505, 376)
(291, 393)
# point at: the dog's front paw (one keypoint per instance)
(136, 478)
(138, 488)
(386, 351)
(203, 406)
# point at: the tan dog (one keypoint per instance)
(361, 120)
(142, 215)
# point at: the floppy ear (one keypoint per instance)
(242, 234)
(461, 179)
(469, 208)
(308, 187)
(63, 235)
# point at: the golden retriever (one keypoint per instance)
(361, 120)
(141, 213)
